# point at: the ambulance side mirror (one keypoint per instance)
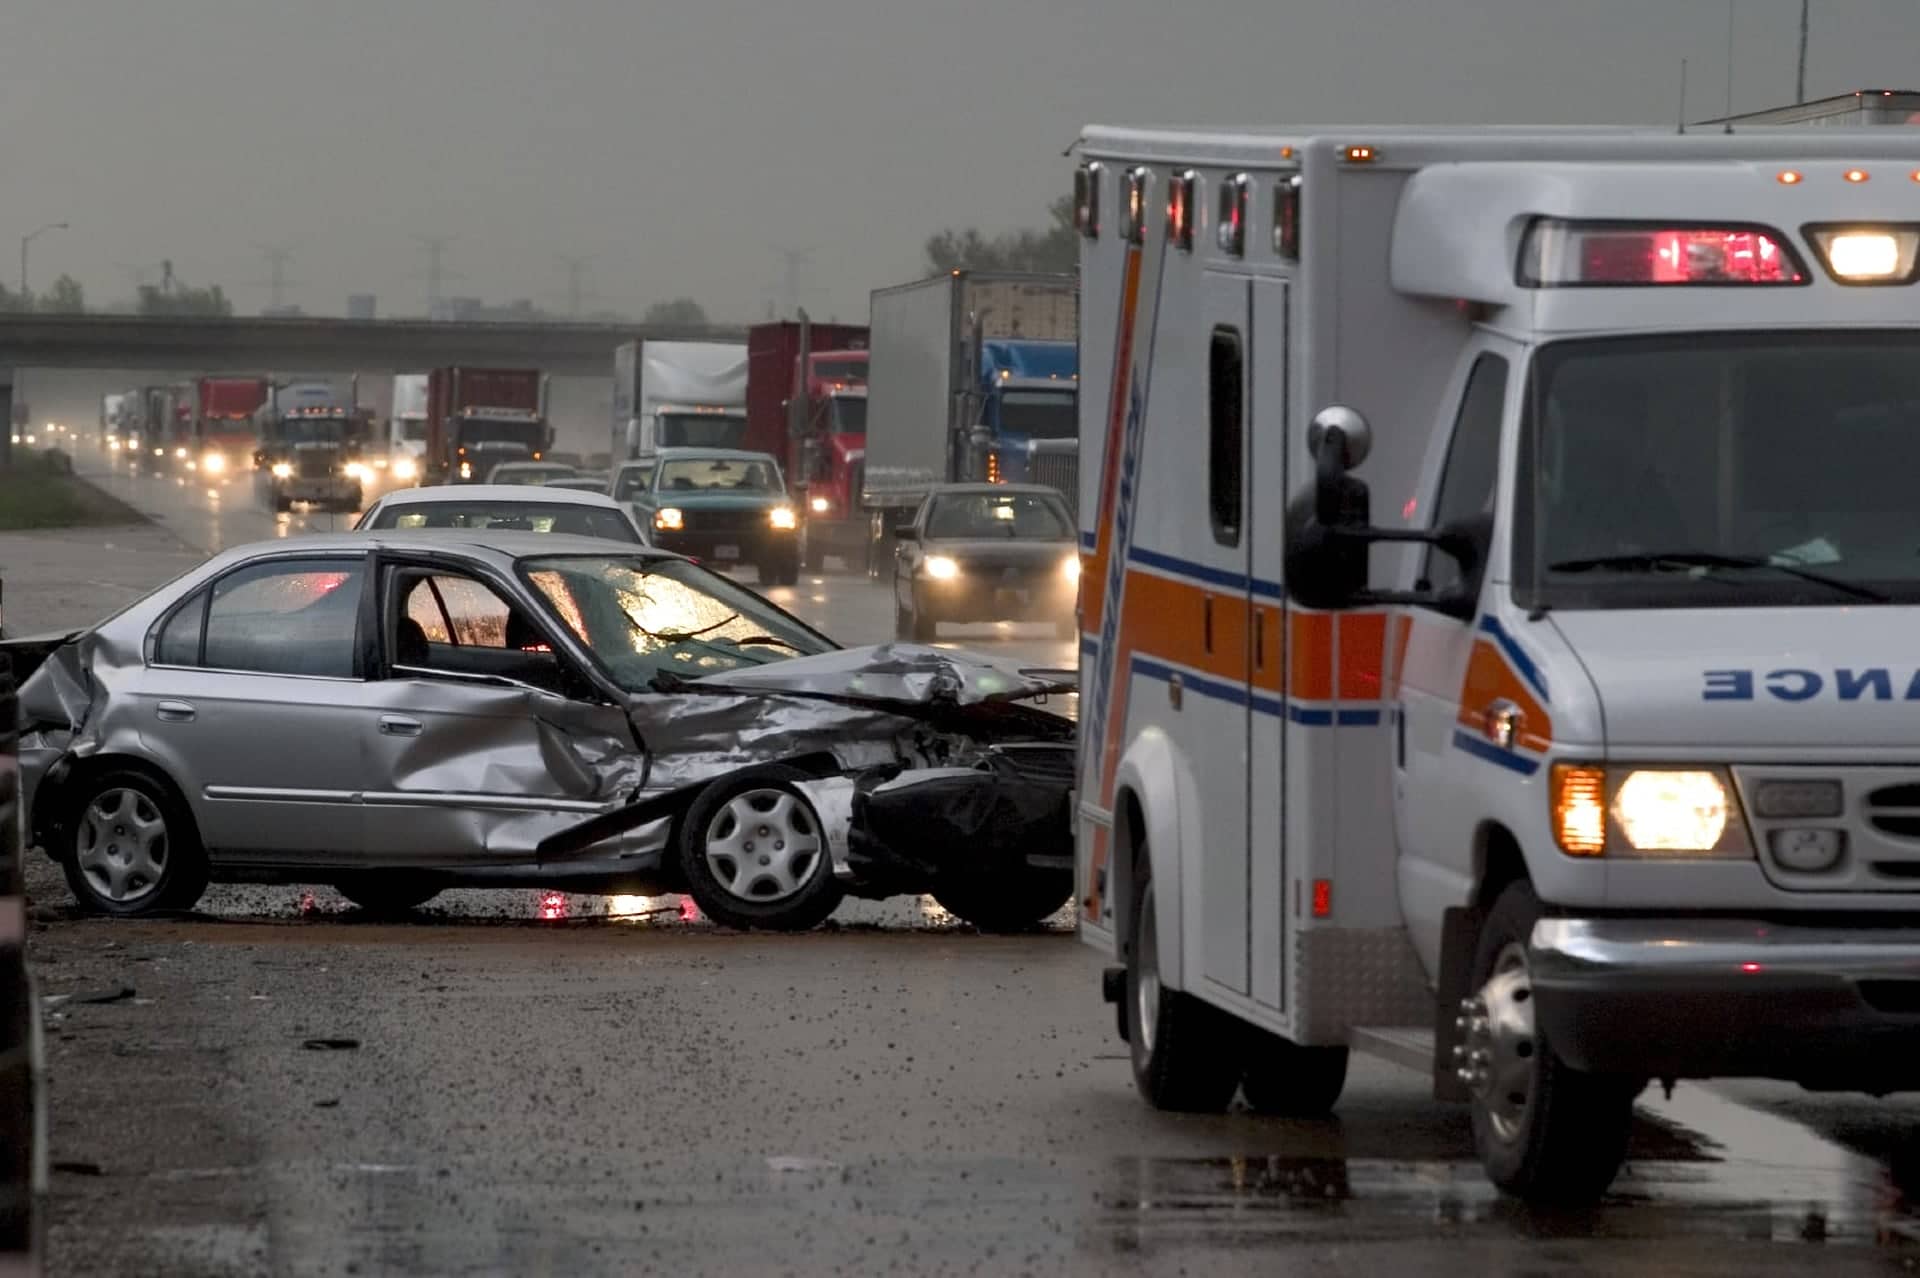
(1339, 439)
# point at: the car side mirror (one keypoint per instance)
(905, 532)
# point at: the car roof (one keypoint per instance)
(687, 453)
(536, 465)
(994, 490)
(508, 494)
(497, 546)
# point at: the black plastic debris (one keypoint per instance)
(332, 1045)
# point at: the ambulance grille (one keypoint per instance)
(1895, 810)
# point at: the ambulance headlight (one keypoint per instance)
(1651, 812)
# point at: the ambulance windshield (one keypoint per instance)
(1722, 470)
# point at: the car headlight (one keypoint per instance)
(356, 471)
(403, 468)
(1680, 812)
(941, 568)
(283, 470)
(782, 517)
(213, 463)
(114, 444)
(1070, 567)
(821, 505)
(669, 519)
(466, 470)
(179, 452)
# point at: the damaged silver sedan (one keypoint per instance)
(399, 713)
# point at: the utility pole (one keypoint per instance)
(277, 283)
(1800, 84)
(437, 274)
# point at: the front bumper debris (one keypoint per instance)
(1834, 1009)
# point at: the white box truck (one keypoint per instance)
(675, 394)
(1498, 593)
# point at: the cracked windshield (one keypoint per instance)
(823, 638)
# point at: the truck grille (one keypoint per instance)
(724, 521)
(316, 466)
(1057, 470)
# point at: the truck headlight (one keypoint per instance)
(941, 568)
(179, 452)
(669, 519)
(782, 517)
(403, 468)
(821, 505)
(1684, 812)
(213, 463)
(356, 470)
(282, 470)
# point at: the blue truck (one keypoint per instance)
(972, 377)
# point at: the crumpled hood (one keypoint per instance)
(1714, 679)
(900, 675)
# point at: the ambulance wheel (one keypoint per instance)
(1546, 1132)
(754, 854)
(1289, 1081)
(1017, 904)
(1187, 1056)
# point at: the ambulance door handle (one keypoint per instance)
(1176, 690)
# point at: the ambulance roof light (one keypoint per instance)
(1868, 254)
(1086, 198)
(1359, 154)
(1182, 190)
(1559, 253)
(1230, 228)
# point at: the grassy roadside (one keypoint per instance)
(37, 492)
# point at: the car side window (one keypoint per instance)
(458, 625)
(1473, 462)
(295, 617)
(458, 611)
(179, 641)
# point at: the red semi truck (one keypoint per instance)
(223, 422)
(479, 418)
(807, 405)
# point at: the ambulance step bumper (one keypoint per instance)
(1834, 1009)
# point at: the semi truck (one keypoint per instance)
(312, 440)
(678, 394)
(1496, 583)
(973, 377)
(1842, 111)
(807, 405)
(407, 428)
(223, 424)
(479, 418)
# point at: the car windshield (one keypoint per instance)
(1039, 414)
(1722, 470)
(719, 475)
(631, 482)
(413, 428)
(532, 474)
(701, 430)
(641, 617)
(1010, 516)
(543, 517)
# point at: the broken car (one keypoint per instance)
(397, 713)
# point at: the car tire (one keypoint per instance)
(1286, 1080)
(812, 557)
(1187, 1055)
(388, 895)
(1546, 1133)
(926, 626)
(1017, 903)
(903, 620)
(130, 847)
(739, 882)
(282, 503)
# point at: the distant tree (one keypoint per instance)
(1054, 250)
(12, 303)
(66, 297)
(184, 301)
(683, 311)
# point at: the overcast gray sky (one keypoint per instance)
(681, 144)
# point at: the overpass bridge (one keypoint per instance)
(257, 344)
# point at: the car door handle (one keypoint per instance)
(395, 725)
(174, 712)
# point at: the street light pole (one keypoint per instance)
(25, 241)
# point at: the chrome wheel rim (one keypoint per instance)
(1501, 1056)
(1146, 980)
(764, 846)
(122, 848)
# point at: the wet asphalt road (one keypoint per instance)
(520, 1083)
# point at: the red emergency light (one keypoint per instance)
(1564, 254)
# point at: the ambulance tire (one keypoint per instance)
(1286, 1080)
(1560, 1141)
(1187, 1055)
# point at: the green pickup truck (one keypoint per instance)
(723, 506)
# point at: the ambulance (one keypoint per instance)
(1500, 608)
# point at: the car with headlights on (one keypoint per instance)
(397, 713)
(725, 506)
(986, 552)
(506, 508)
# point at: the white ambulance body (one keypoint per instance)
(1635, 797)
